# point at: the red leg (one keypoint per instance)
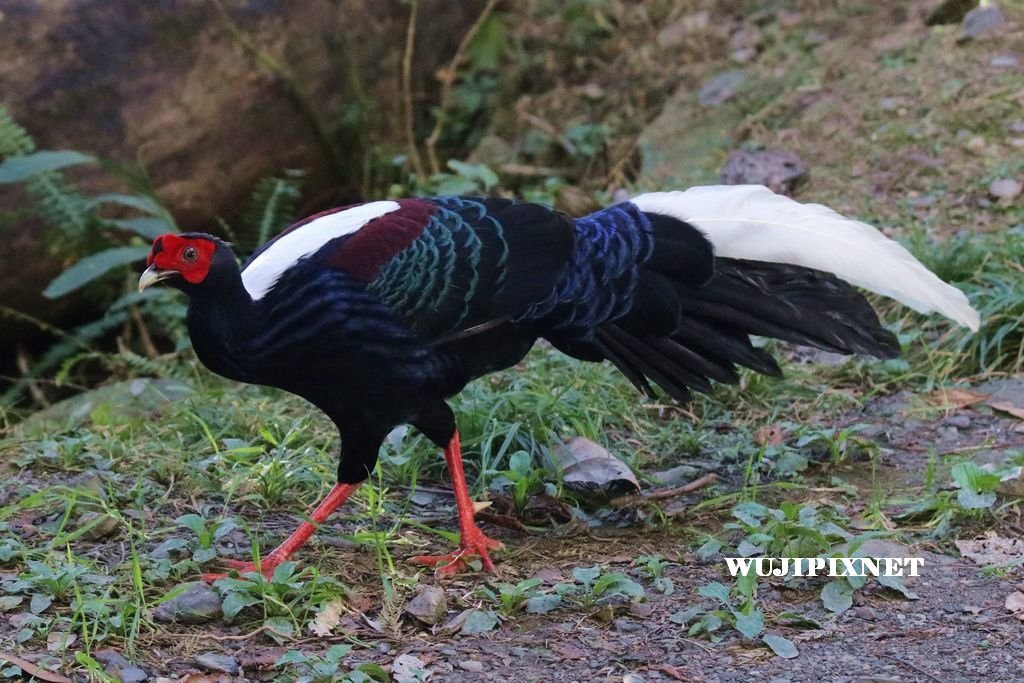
(338, 495)
(472, 541)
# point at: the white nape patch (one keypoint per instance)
(260, 276)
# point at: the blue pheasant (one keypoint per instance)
(377, 313)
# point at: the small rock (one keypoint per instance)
(1006, 189)
(982, 21)
(721, 88)
(472, 665)
(133, 674)
(779, 170)
(1016, 127)
(217, 663)
(1005, 61)
(864, 612)
(958, 421)
(98, 525)
(626, 626)
(429, 606)
(747, 37)
(197, 604)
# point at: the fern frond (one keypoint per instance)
(273, 204)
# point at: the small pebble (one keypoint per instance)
(217, 663)
(197, 604)
(1005, 61)
(471, 665)
(429, 606)
(1006, 189)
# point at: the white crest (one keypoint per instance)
(260, 276)
(752, 222)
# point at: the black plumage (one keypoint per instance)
(378, 321)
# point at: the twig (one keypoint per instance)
(912, 666)
(528, 170)
(25, 368)
(147, 341)
(32, 670)
(410, 133)
(447, 78)
(686, 488)
(623, 501)
(244, 636)
(547, 127)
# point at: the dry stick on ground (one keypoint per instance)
(662, 494)
(447, 78)
(144, 338)
(410, 133)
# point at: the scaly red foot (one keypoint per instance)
(474, 544)
(266, 567)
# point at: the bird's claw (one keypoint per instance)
(472, 545)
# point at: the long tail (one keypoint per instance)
(779, 272)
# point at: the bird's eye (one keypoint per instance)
(189, 255)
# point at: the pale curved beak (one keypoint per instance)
(152, 275)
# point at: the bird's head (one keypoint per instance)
(187, 261)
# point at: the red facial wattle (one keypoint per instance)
(190, 257)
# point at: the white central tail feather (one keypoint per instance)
(752, 222)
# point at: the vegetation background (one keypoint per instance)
(128, 468)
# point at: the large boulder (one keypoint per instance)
(178, 88)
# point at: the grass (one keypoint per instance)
(100, 519)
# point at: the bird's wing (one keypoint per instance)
(466, 264)
(446, 266)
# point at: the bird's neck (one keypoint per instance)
(220, 321)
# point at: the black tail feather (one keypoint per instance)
(743, 298)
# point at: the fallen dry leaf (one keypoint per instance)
(585, 464)
(33, 670)
(1007, 407)
(955, 399)
(1015, 604)
(770, 435)
(328, 617)
(992, 550)
(409, 669)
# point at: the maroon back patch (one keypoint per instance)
(373, 245)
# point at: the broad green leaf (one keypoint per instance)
(974, 479)
(540, 604)
(291, 657)
(150, 228)
(709, 549)
(479, 621)
(750, 513)
(715, 590)
(972, 500)
(586, 575)
(92, 267)
(783, 647)
(750, 625)
(837, 596)
(134, 201)
(193, 522)
(14, 169)
(235, 602)
(896, 583)
(683, 617)
(39, 603)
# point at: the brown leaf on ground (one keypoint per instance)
(1015, 604)
(955, 399)
(770, 435)
(1008, 408)
(993, 550)
(328, 617)
(33, 670)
